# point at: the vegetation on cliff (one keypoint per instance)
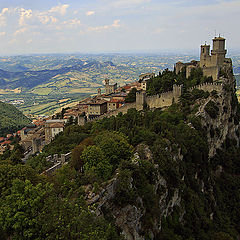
(165, 80)
(11, 119)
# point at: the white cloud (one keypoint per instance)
(4, 10)
(53, 19)
(127, 3)
(44, 19)
(2, 21)
(116, 24)
(24, 15)
(72, 22)
(61, 9)
(20, 31)
(12, 41)
(2, 17)
(89, 13)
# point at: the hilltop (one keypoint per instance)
(164, 166)
(11, 119)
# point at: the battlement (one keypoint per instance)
(208, 87)
(164, 99)
(210, 64)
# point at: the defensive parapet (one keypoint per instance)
(165, 99)
(208, 87)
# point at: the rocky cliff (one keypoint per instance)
(161, 191)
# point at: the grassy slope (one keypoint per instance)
(11, 119)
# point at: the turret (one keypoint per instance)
(219, 51)
(106, 81)
(99, 92)
(205, 55)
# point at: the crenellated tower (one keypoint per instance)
(218, 52)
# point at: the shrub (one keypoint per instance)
(212, 109)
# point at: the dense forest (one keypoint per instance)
(11, 119)
(138, 150)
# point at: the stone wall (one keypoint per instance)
(208, 87)
(57, 161)
(123, 109)
(211, 72)
(165, 99)
(160, 100)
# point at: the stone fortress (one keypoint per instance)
(210, 64)
(113, 101)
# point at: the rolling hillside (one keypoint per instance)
(11, 119)
(82, 77)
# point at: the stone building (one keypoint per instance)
(210, 64)
(52, 129)
(113, 104)
(97, 108)
(143, 78)
(110, 88)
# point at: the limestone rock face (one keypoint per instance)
(129, 218)
(224, 125)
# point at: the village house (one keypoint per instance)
(32, 139)
(52, 128)
(113, 104)
(96, 108)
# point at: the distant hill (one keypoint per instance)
(11, 119)
(82, 74)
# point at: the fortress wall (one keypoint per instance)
(208, 87)
(211, 71)
(158, 101)
(122, 109)
(165, 99)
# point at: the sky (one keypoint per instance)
(105, 26)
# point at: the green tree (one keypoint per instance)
(94, 160)
(20, 209)
(114, 146)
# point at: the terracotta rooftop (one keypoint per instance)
(97, 102)
(115, 101)
(56, 125)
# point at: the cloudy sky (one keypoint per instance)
(50, 26)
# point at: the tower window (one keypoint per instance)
(203, 50)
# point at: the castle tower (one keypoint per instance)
(99, 91)
(140, 100)
(205, 59)
(177, 91)
(109, 88)
(219, 52)
(106, 81)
